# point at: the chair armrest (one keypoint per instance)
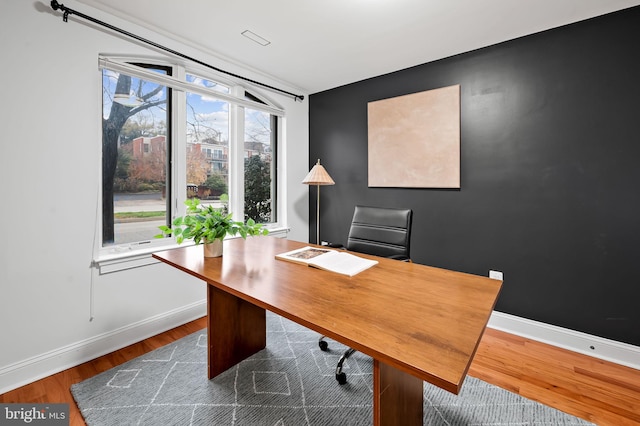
(334, 245)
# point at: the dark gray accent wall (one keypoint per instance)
(550, 171)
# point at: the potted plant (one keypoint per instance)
(209, 225)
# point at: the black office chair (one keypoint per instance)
(378, 231)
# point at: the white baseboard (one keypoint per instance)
(597, 347)
(27, 371)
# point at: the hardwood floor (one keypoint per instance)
(595, 390)
(598, 391)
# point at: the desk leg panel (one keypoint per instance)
(236, 329)
(397, 397)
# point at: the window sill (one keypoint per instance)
(129, 257)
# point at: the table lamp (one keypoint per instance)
(318, 176)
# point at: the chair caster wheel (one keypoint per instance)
(323, 345)
(341, 378)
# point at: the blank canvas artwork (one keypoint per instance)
(414, 140)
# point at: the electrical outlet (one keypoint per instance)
(496, 275)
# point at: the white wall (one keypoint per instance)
(49, 153)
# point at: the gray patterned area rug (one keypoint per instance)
(290, 383)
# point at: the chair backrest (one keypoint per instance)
(381, 231)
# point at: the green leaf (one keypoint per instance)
(207, 223)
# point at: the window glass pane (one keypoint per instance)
(134, 158)
(207, 146)
(259, 164)
(207, 83)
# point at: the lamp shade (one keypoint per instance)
(318, 176)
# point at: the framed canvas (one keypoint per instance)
(414, 140)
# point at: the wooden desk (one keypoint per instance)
(417, 322)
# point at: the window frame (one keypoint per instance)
(116, 257)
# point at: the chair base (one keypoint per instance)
(341, 376)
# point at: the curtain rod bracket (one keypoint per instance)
(66, 12)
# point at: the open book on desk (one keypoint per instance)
(329, 260)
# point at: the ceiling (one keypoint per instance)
(322, 44)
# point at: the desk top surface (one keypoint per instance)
(422, 320)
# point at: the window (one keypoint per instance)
(260, 166)
(135, 123)
(207, 124)
(166, 139)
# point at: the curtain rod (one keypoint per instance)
(67, 11)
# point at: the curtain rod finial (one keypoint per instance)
(55, 6)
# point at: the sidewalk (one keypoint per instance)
(150, 205)
(120, 206)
